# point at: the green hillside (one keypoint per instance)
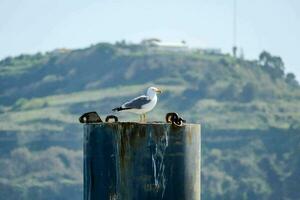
(235, 100)
(214, 89)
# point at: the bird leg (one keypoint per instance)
(143, 118)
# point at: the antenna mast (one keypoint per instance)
(234, 48)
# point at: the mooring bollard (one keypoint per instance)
(142, 161)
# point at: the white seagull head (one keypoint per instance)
(152, 91)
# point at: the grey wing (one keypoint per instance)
(137, 102)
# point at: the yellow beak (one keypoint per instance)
(158, 91)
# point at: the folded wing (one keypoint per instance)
(136, 103)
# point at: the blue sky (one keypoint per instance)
(29, 26)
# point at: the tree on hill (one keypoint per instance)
(291, 80)
(272, 64)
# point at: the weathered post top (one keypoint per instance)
(149, 161)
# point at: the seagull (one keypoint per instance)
(142, 104)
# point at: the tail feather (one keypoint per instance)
(117, 109)
(120, 109)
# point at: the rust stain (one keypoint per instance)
(158, 132)
(189, 134)
(136, 136)
(123, 146)
(131, 137)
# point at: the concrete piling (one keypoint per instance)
(142, 161)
